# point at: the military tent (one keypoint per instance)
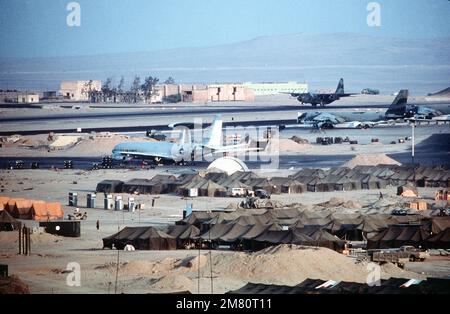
(211, 189)
(412, 235)
(216, 232)
(4, 202)
(440, 240)
(11, 204)
(7, 222)
(154, 239)
(163, 184)
(371, 182)
(398, 235)
(236, 185)
(184, 232)
(287, 185)
(185, 178)
(141, 186)
(197, 218)
(142, 238)
(195, 182)
(222, 217)
(235, 233)
(22, 209)
(261, 184)
(257, 229)
(109, 186)
(42, 211)
(216, 176)
(439, 224)
(324, 239)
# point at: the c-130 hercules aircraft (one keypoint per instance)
(322, 98)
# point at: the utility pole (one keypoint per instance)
(413, 126)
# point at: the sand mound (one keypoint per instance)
(291, 264)
(174, 283)
(97, 146)
(340, 202)
(36, 238)
(370, 160)
(140, 267)
(391, 270)
(196, 262)
(288, 146)
(352, 205)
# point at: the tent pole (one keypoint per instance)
(20, 240)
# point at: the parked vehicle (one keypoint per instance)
(262, 194)
(398, 256)
(238, 192)
(399, 212)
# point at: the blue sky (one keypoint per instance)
(38, 27)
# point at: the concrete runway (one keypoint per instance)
(433, 150)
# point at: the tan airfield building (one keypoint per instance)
(202, 93)
(79, 90)
(21, 97)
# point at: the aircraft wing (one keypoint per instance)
(292, 94)
(239, 148)
(149, 154)
(323, 116)
(347, 94)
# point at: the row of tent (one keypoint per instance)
(381, 231)
(318, 286)
(415, 235)
(254, 231)
(313, 180)
(38, 210)
(241, 237)
(294, 218)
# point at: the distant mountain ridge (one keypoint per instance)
(309, 57)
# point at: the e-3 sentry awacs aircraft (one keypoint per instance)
(183, 151)
(366, 118)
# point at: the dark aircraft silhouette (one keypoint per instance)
(322, 98)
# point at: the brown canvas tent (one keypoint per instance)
(11, 203)
(22, 209)
(184, 232)
(109, 186)
(440, 240)
(154, 239)
(142, 238)
(140, 186)
(398, 235)
(7, 222)
(212, 189)
(439, 224)
(324, 239)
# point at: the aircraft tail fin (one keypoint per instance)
(215, 136)
(185, 136)
(398, 105)
(340, 87)
(401, 99)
